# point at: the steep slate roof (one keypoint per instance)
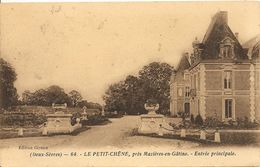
(250, 43)
(217, 31)
(183, 65)
(253, 46)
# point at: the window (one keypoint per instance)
(227, 79)
(227, 48)
(226, 51)
(228, 108)
(187, 91)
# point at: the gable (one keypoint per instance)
(183, 65)
(227, 41)
(253, 47)
(217, 33)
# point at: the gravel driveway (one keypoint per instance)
(115, 135)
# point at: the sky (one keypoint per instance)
(88, 46)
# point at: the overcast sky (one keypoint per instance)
(87, 46)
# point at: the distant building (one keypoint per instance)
(220, 78)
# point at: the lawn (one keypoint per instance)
(33, 132)
(33, 117)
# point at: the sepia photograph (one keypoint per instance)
(130, 84)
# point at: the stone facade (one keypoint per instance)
(179, 86)
(222, 76)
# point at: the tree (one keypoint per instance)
(27, 97)
(39, 97)
(75, 97)
(93, 105)
(114, 97)
(130, 95)
(89, 105)
(82, 103)
(134, 95)
(56, 94)
(45, 97)
(155, 79)
(8, 93)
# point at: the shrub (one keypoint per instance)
(174, 116)
(165, 112)
(112, 115)
(212, 122)
(96, 120)
(180, 114)
(232, 122)
(240, 122)
(24, 119)
(173, 125)
(199, 120)
(40, 119)
(183, 115)
(248, 124)
(192, 118)
(74, 117)
(186, 124)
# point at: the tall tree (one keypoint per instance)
(93, 105)
(155, 79)
(39, 97)
(8, 93)
(45, 97)
(131, 94)
(75, 97)
(27, 97)
(82, 103)
(134, 95)
(114, 97)
(56, 94)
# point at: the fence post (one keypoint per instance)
(20, 132)
(160, 132)
(77, 120)
(44, 131)
(202, 135)
(183, 133)
(217, 136)
(173, 132)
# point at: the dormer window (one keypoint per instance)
(227, 48)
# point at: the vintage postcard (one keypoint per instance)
(129, 84)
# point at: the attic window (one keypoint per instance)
(227, 48)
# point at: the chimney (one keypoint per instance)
(221, 17)
(224, 16)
